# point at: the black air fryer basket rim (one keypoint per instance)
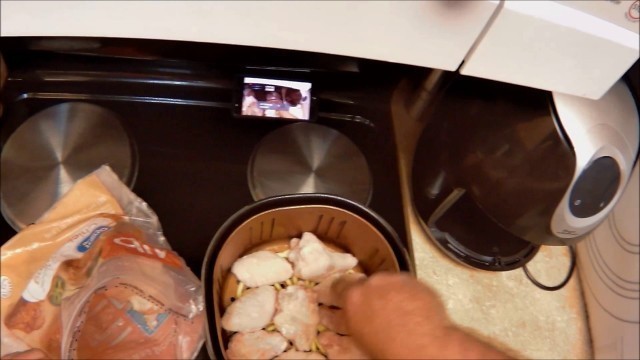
(275, 202)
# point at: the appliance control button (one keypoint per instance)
(595, 187)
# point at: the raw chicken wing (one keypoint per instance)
(333, 319)
(293, 354)
(297, 317)
(326, 293)
(261, 268)
(252, 311)
(340, 347)
(314, 261)
(256, 345)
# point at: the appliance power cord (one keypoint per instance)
(572, 266)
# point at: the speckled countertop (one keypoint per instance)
(504, 308)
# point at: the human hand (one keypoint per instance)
(395, 316)
(384, 310)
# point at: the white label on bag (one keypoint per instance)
(80, 242)
(6, 287)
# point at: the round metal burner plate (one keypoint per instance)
(44, 157)
(309, 158)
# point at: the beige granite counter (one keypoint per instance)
(505, 308)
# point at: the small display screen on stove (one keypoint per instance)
(276, 98)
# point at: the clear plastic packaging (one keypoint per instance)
(139, 294)
(95, 278)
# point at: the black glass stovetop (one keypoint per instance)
(192, 152)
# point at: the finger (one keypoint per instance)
(386, 277)
(342, 285)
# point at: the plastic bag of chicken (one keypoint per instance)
(95, 278)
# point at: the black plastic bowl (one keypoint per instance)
(333, 218)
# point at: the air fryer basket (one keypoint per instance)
(341, 222)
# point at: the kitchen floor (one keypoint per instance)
(504, 308)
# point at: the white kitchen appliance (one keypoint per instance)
(501, 169)
(574, 47)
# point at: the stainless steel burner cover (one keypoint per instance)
(54, 148)
(309, 158)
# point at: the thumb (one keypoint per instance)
(344, 284)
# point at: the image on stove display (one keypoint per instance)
(276, 98)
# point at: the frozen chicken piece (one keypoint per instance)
(256, 345)
(261, 268)
(297, 316)
(312, 260)
(327, 293)
(293, 354)
(340, 347)
(252, 311)
(333, 319)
